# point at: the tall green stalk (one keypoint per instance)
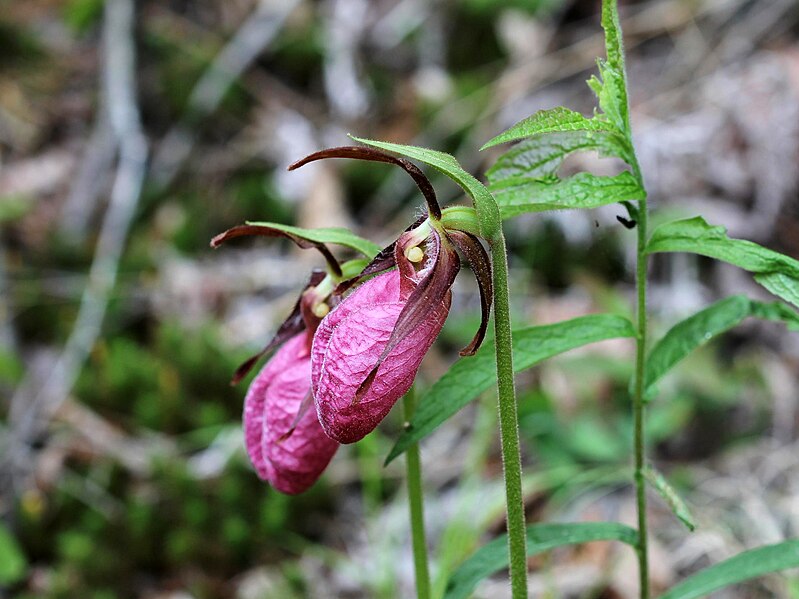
(509, 422)
(639, 440)
(613, 34)
(416, 505)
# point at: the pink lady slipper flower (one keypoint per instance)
(367, 350)
(283, 437)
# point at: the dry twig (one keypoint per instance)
(32, 407)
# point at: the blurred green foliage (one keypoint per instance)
(100, 535)
(102, 531)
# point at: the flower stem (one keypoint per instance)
(639, 440)
(509, 422)
(416, 505)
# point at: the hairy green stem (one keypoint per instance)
(416, 505)
(639, 440)
(509, 422)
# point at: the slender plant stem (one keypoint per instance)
(416, 505)
(509, 422)
(371, 473)
(638, 400)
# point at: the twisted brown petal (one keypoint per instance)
(384, 260)
(264, 231)
(362, 153)
(478, 259)
(294, 324)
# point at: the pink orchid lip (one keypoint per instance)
(366, 352)
(284, 439)
(347, 346)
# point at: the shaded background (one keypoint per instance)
(132, 132)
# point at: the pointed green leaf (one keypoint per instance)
(695, 331)
(334, 235)
(744, 566)
(540, 157)
(13, 564)
(781, 285)
(470, 376)
(776, 272)
(611, 92)
(552, 120)
(697, 236)
(484, 203)
(352, 268)
(583, 190)
(613, 41)
(670, 496)
(611, 86)
(777, 312)
(493, 557)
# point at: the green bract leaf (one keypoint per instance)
(484, 203)
(583, 190)
(469, 376)
(696, 330)
(613, 42)
(492, 557)
(611, 86)
(540, 157)
(352, 268)
(744, 566)
(460, 218)
(13, 564)
(670, 496)
(553, 120)
(335, 235)
(776, 272)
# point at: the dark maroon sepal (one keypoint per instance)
(384, 260)
(294, 324)
(476, 255)
(362, 153)
(264, 231)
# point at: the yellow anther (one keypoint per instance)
(414, 254)
(321, 310)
